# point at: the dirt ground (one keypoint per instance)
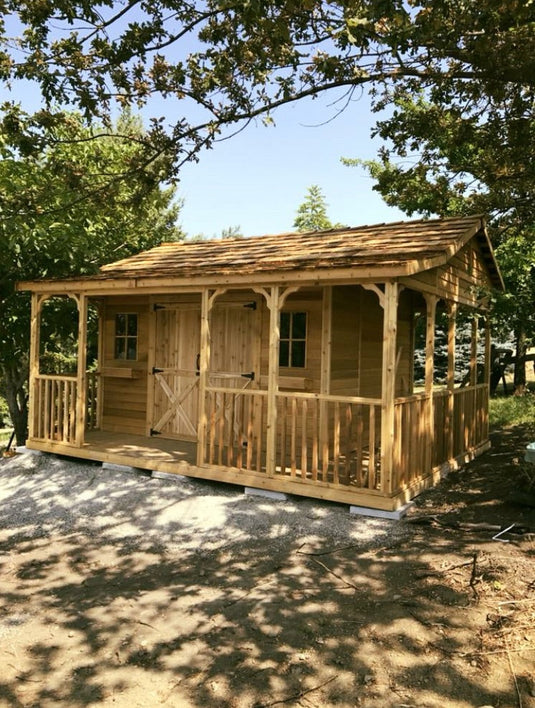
(431, 612)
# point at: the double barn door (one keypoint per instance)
(176, 332)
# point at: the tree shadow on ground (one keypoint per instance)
(148, 601)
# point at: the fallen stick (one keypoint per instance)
(296, 696)
(494, 651)
(429, 573)
(468, 526)
(350, 585)
(326, 553)
(520, 704)
(473, 577)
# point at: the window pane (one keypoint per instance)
(120, 347)
(298, 354)
(120, 325)
(132, 325)
(299, 325)
(131, 348)
(284, 354)
(285, 325)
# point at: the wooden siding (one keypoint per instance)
(371, 349)
(346, 340)
(305, 378)
(405, 344)
(124, 383)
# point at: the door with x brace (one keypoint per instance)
(177, 333)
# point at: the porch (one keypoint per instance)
(327, 447)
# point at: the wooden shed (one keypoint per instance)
(282, 362)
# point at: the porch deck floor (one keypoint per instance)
(138, 450)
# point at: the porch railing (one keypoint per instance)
(459, 424)
(55, 406)
(332, 439)
(319, 438)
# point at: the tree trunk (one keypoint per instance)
(17, 400)
(520, 360)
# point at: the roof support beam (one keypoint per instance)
(81, 301)
(388, 388)
(431, 302)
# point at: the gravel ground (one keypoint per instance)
(41, 495)
(123, 590)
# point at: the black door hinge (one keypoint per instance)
(156, 307)
(154, 432)
(251, 305)
(248, 376)
(155, 370)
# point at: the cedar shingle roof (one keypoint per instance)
(396, 249)
(415, 245)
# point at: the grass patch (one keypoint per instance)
(506, 411)
(5, 434)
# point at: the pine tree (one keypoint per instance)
(312, 213)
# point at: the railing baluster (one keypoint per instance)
(304, 437)
(282, 439)
(372, 478)
(293, 445)
(359, 445)
(336, 443)
(315, 441)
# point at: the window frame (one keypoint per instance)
(291, 339)
(126, 337)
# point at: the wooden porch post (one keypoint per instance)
(204, 362)
(81, 301)
(431, 308)
(450, 432)
(325, 375)
(273, 380)
(390, 313)
(486, 377)
(473, 352)
(35, 336)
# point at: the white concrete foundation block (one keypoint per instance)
(266, 493)
(120, 468)
(22, 449)
(169, 475)
(380, 513)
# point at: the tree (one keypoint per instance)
(225, 63)
(312, 213)
(64, 213)
(433, 187)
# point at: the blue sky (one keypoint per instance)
(258, 178)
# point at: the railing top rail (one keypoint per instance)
(241, 391)
(55, 377)
(329, 397)
(461, 389)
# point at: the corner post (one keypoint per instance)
(325, 376)
(388, 387)
(204, 361)
(450, 429)
(486, 379)
(273, 380)
(81, 378)
(35, 336)
(471, 429)
(431, 308)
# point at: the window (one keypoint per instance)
(125, 336)
(293, 332)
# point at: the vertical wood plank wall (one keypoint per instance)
(124, 400)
